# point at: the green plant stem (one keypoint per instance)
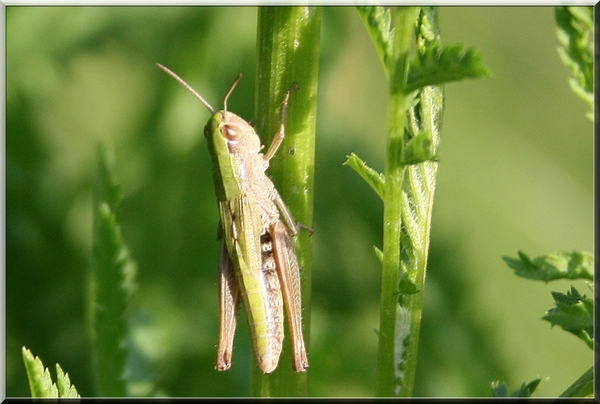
(417, 67)
(288, 53)
(388, 380)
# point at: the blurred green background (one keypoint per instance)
(515, 173)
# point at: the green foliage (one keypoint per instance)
(573, 313)
(526, 389)
(373, 178)
(65, 388)
(40, 380)
(574, 27)
(377, 21)
(557, 265)
(441, 65)
(415, 111)
(418, 149)
(112, 283)
(434, 64)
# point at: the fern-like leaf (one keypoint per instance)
(373, 178)
(573, 313)
(574, 26)
(65, 388)
(440, 65)
(377, 21)
(40, 380)
(557, 265)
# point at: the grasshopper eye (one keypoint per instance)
(230, 132)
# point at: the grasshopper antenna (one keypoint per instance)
(238, 78)
(190, 89)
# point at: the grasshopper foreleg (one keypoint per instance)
(280, 135)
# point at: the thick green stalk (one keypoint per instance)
(288, 53)
(392, 316)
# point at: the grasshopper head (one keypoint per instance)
(228, 133)
(239, 135)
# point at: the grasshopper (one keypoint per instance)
(257, 259)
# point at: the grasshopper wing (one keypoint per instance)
(289, 274)
(256, 278)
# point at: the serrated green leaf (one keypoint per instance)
(112, 282)
(65, 388)
(40, 380)
(377, 21)
(428, 30)
(500, 389)
(557, 265)
(436, 66)
(574, 27)
(573, 313)
(372, 177)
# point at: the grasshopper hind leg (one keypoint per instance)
(229, 302)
